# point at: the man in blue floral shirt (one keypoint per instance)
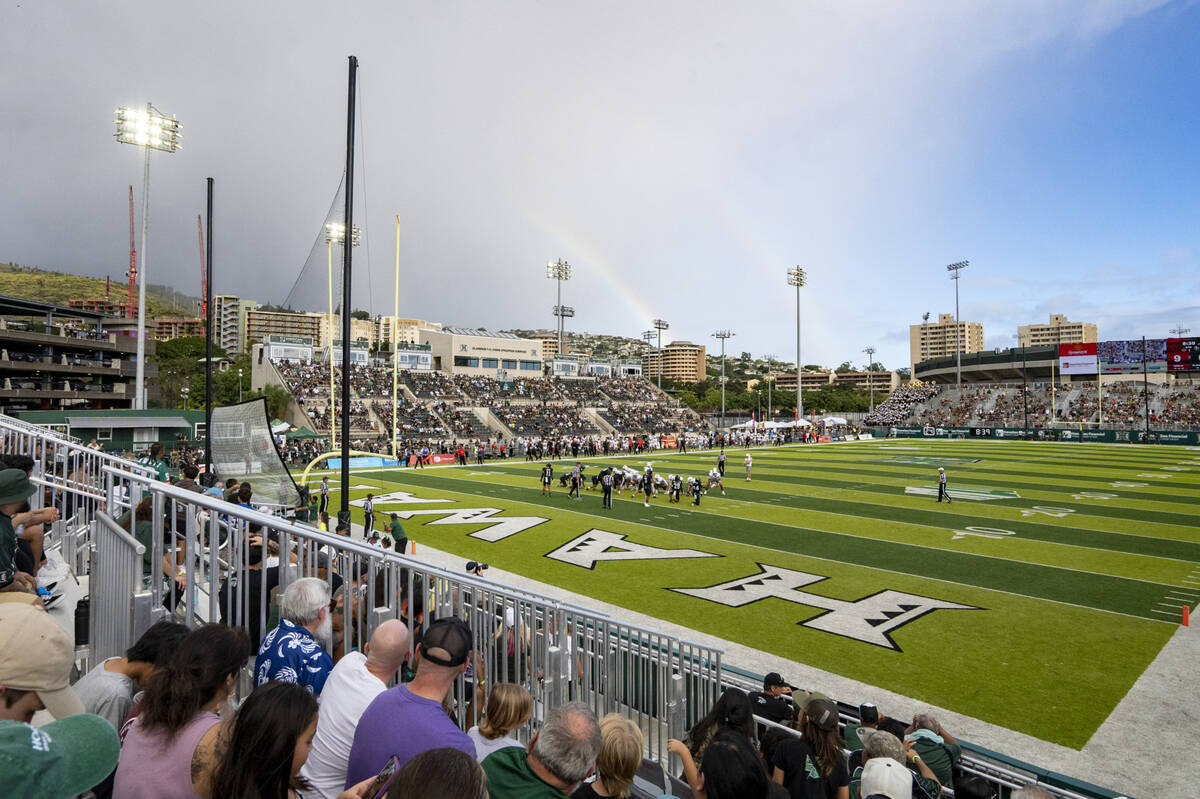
(296, 650)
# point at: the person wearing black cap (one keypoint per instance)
(773, 702)
(407, 720)
(812, 767)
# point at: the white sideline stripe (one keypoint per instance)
(1163, 612)
(1171, 605)
(969, 586)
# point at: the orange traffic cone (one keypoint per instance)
(1187, 611)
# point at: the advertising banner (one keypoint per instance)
(1125, 356)
(1183, 354)
(1077, 359)
(669, 442)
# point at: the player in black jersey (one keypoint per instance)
(547, 477)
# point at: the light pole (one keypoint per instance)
(149, 130)
(722, 335)
(239, 385)
(559, 271)
(870, 351)
(1180, 332)
(660, 326)
(797, 278)
(954, 270)
(335, 233)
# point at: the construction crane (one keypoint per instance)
(131, 298)
(203, 272)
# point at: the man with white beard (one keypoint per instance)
(296, 650)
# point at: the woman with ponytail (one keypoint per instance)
(170, 750)
(731, 712)
(812, 767)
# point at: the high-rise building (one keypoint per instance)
(942, 338)
(229, 319)
(406, 329)
(260, 324)
(1059, 331)
(681, 360)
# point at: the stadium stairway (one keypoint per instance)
(593, 416)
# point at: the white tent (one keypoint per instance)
(833, 420)
(797, 423)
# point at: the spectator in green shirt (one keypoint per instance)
(937, 748)
(398, 534)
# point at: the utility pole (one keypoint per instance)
(954, 270)
(870, 351)
(722, 335)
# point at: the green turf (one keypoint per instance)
(1075, 585)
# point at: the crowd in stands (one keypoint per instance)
(898, 407)
(415, 420)
(463, 423)
(304, 379)
(543, 420)
(360, 416)
(430, 385)
(630, 389)
(1179, 408)
(486, 391)
(660, 417)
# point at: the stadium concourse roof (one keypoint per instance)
(991, 366)
(15, 306)
(115, 418)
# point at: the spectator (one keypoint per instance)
(508, 706)
(731, 769)
(813, 765)
(408, 719)
(357, 679)
(771, 702)
(443, 773)
(248, 607)
(398, 534)
(560, 756)
(619, 759)
(188, 479)
(107, 690)
(59, 760)
(36, 657)
(169, 750)
(268, 742)
(936, 748)
(15, 488)
(882, 744)
(731, 712)
(884, 777)
(293, 652)
(871, 719)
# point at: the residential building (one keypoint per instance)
(176, 327)
(1059, 331)
(407, 329)
(229, 320)
(945, 337)
(109, 306)
(680, 360)
(260, 324)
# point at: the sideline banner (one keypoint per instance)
(1187, 437)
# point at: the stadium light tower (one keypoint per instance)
(335, 233)
(149, 130)
(559, 271)
(870, 351)
(954, 270)
(722, 335)
(660, 326)
(1180, 332)
(797, 278)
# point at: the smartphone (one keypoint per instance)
(379, 787)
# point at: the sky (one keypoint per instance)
(680, 155)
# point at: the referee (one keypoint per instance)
(942, 492)
(606, 482)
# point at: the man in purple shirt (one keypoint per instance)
(407, 720)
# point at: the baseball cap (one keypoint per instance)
(774, 678)
(59, 760)
(883, 776)
(940, 469)
(868, 713)
(15, 486)
(447, 642)
(823, 713)
(36, 654)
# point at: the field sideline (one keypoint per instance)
(1034, 601)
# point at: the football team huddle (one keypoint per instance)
(646, 482)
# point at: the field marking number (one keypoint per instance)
(983, 532)
(1057, 513)
(1093, 495)
(1175, 468)
(1156, 476)
(1124, 484)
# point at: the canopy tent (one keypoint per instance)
(280, 426)
(302, 433)
(833, 420)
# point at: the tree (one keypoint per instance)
(845, 367)
(180, 362)
(359, 314)
(876, 366)
(278, 399)
(904, 372)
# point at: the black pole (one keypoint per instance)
(208, 332)
(1024, 396)
(1145, 389)
(347, 250)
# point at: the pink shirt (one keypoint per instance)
(153, 768)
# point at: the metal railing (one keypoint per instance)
(204, 552)
(122, 610)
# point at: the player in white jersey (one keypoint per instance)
(714, 479)
(749, 462)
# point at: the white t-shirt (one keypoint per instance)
(347, 692)
(484, 747)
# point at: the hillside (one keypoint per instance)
(41, 285)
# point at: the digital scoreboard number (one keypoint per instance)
(1183, 354)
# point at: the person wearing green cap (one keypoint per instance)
(58, 760)
(15, 488)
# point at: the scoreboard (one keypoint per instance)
(1183, 354)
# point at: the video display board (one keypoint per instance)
(1183, 354)
(1077, 359)
(1125, 356)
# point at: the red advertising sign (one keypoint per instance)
(1076, 350)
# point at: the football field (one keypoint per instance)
(1033, 601)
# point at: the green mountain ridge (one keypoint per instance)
(55, 288)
